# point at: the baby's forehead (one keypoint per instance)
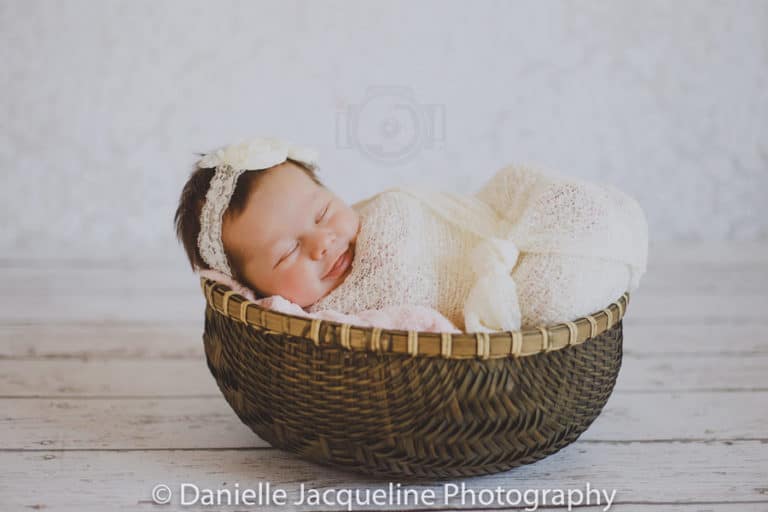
(284, 195)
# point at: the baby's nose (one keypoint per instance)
(322, 242)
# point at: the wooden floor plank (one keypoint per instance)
(672, 291)
(692, 307)
(662, 474)
(189, 423)
(70, 378)
(189, 309)
(170, 281)
(712, 278)
(136, 341)
(708, 251)
(190, 377)
(49, 307)
(101, 341)
(668, 340)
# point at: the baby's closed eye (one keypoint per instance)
(297, 244)
(325, 211)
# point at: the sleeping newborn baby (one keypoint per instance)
(528, 249)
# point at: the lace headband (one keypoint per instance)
(230, 162)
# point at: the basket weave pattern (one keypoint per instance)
(413, 405)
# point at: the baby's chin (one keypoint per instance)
(344, 276)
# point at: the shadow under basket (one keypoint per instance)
(407, 404)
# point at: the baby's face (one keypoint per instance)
(289, 236)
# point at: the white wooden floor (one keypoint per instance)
(104, 393)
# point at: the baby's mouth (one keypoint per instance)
(340, 265)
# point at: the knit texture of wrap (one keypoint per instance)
(527, 249)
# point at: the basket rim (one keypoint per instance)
(522, 343)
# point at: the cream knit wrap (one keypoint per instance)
(528, 249)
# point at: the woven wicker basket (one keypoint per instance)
(410, 404)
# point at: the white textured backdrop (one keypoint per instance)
(104, 104)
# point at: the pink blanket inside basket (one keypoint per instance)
(405, 317)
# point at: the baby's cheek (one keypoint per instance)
(351, 229)
(290, 282)
(302, 286)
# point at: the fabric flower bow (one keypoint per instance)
(258, 153)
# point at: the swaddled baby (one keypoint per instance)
(526, 250)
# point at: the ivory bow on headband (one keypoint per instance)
(230, 162)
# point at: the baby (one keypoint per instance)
(491, 261)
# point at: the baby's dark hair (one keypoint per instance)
(187, 218)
